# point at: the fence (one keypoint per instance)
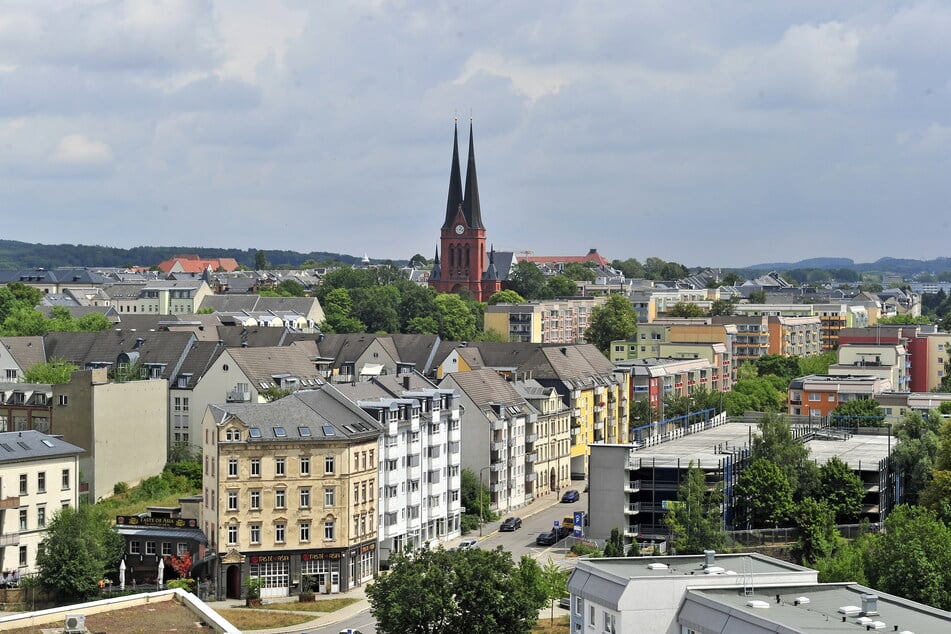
(769, 536)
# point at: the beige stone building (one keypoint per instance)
(38, 476)
(290, 492)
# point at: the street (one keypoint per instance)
(537, 518)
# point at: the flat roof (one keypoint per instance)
(820, 615)
(690, 565)
(864, 449)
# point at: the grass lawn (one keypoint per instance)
(257, 619)
(561, 625)
(321, 605)
(121, 505)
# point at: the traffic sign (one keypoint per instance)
(557, 523)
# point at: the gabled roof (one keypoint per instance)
(26, 351)
(199, 358)
(325, 412)
(591, 256)
(73, 275)
(20, 446)
(228, 303)
(486, 388)
(86, 349)
(262, 365)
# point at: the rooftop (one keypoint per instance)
(689, 565)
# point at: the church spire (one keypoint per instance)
(470, 205)
(437, 270)
(455, 182)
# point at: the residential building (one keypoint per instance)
(420, 452)
(549, 436)
(58, 280)
(833, 318)
(889, 361)
(549, 321)
(19, 354)
(155, 297)
(26, 406)
(752, 336)
(655, 379)
(794, 336)
(465, 263)
(159, 533)
(494, 436)
(122, 425)
(195, 264)
(290, 493)
(819, 394)
(742, 592)
(39, 475)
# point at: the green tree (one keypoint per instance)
(614, 546)
(841, 489)
(757, 297)
(555, 583)
(775, 443)
(696, 520)
(506, 297)
(377, 308)
(912, 558)
(732, 279)
(917, 451)
(53, 372)
(816, 364)
(418, 261)
(93, 322)
(936, 495)
(722, 307)
(578, 272)
(561, 286)
(477, 591)
(858, 413)
(416, 302)
(848, 561)
(764, 495)
(79, 549)
(260, 261)
(685, 309)
(455, 319)
(818, 534)
(527, 280)
(630, 268)
(338, 307)
(904, 319)
(777, 365)
(616, 319)
(270, 394)
(476, 499)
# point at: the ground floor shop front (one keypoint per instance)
(288, 572)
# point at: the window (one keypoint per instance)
(256, 467)
(329, 464)
(280, 466)
(305, 497)
(305, 465)
(329, 496)
(41, 517)
(255, 500)
(579, 606)
(23, 484)
(22, 519)
(23, 556)
(305, 531)
(815, 398)
(591, 616)
(41, 482)
(329, 530)
(608, 623)
(134, 548)
(232, 500)
(182, 548)
(255, 533)
(64, 399)
(279, 532)
(232, 467)
(149, 548)
(166, 549)
(233, 534)
(831, 398)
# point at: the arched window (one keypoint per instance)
(467, 257)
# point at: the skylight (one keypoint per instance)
(279, 432)
(304, 432)
(329, 430)
(48, 443)
(254, 432)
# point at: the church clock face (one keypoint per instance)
(460, 229)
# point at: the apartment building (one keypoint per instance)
(555, 321)
(794, 336)
(290, 493)
(19, 354)
(549, 436)
(819, 394)
(155, 297)
(752, 336)
(887, 361)
(26, 406)
(39, 474)
(420, 450)
(494, 432)
(655, 379)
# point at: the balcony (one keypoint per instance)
(9, 539)
(238, 396)
(632, 486)
(531, 457)
(531, 476)
(531, 438)
(495, 487)
(9, 503)
(632, 530)
(498, 425)
(633, 509)
(497, 446)
(498, 466)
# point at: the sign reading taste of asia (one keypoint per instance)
(155, 522)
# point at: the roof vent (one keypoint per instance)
(850, 610)
(656, 566)
(713, 570)
(801, 600)
(756, 603)
(709, 556)
(869, 604)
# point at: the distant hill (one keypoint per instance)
(17, 255)
(904, 266)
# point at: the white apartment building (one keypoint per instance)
(420, 498)
(39, 475)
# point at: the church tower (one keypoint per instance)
(464, 262)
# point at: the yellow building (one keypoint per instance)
(289, 493)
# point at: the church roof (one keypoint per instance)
(455, 182)
(470, 204)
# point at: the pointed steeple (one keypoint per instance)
(491, 273)
(455, 182)
(470, 204)
(437, 270)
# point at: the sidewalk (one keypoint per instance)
(344, 614)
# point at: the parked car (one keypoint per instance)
(547, 539)
(571, 495)
(511, 524)
(564, 602)
(564, 530)
(468, 544)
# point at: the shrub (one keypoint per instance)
(119, 488)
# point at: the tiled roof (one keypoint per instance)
(261, 365)
(17, 446)
(26, 351)
(89, 348)
(485, 388)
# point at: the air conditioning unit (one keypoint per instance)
(75, 624)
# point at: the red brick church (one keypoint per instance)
(465, 264)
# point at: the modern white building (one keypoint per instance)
(420, 498)
(39, 475)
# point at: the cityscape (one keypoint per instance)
(629, 346)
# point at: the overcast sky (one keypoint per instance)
(707, 133)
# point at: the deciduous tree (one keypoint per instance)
(818, 534)
(616, 319)
(841, 489)
(696, 520)
(53, 372)
(764, 495)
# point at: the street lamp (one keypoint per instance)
(482, 500)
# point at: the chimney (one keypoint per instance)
(406, 378)
(709, 557)
(138, 342)
(870, 604)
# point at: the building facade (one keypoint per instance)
(556, 321)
